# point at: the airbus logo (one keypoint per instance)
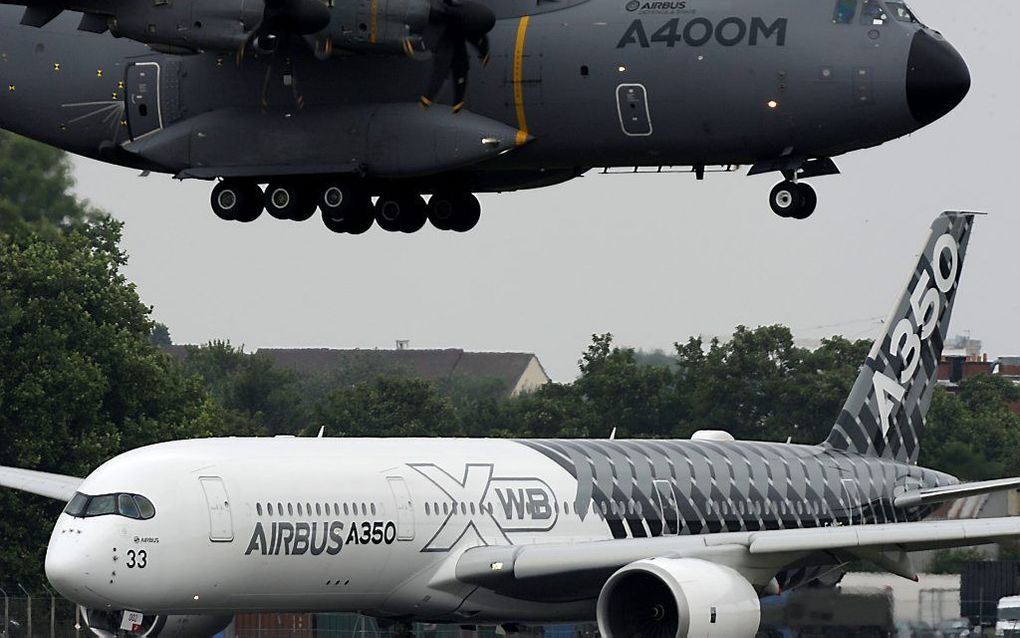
(485, 508)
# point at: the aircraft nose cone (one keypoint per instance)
(65, 568)
(937, 78)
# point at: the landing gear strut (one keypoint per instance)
(796, 200)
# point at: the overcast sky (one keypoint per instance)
(652, 259)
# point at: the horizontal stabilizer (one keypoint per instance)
(951, 492)
(45, 484)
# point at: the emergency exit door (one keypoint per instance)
(141, 98)
(668, 508)
(221, 524)
(405, 508)
(632, 107)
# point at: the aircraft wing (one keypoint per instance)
(757, 555)
(56, 486)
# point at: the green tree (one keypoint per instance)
(35, 189)
(79, 380)
(250, 387)
(387, 406)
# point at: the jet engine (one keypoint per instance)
(666, 597)
(106, 624)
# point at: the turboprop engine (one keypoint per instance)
(107, 624)
(666, 597)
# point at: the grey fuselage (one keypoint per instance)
(596, 83)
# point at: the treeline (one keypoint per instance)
(83, 376)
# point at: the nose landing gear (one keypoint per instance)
(795, 200)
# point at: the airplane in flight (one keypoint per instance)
(651, 538)
(362, 108)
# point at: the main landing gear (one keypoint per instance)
(796, 200)
(345, 206)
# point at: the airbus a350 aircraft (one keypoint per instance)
(331, 103)
(652, 538)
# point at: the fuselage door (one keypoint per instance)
(632, 107)
(142, 99)
(668, 510)
(852, 494)
(405, 508)
(221, 525)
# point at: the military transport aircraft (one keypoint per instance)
(654, 538)
(332, 103)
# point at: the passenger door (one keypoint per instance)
(405, 508)
(221, 524)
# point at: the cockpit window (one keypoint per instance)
(76, 506)
(874, 13)
(845, 11)
(99, 505)
(129, 505)
(902, 12)
(126, 506)
(145, 508)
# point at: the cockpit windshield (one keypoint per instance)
(902, 12)
(130, 505)
(874, 13)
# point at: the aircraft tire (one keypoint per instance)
(236, 200)
(416, 217)
(396, 211)
(466, 214)
(338, 226)
(287, 200)
(442, 209)
(809, 201)
(786, 199)
(360, 220)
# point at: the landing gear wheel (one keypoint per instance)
(795, 200)
(287, 200)
(400, 211)
(346, 208)
(466, 214)
(236, 200)
(809, 201)
(442, 209)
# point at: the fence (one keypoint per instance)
(43, 615)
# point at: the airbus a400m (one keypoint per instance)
(363, 107)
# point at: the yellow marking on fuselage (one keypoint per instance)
(373, 22)
(518, 79)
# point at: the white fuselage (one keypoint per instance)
(315, 525)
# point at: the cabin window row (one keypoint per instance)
(317, 509)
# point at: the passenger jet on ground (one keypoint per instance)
(652, 538)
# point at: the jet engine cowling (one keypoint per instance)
(106, 624)
(677, 597)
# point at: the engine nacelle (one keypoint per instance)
(678, 597)
(106, 624)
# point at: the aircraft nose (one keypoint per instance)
(937, 78)
(67, 565)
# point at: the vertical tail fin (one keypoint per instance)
(884, 414)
